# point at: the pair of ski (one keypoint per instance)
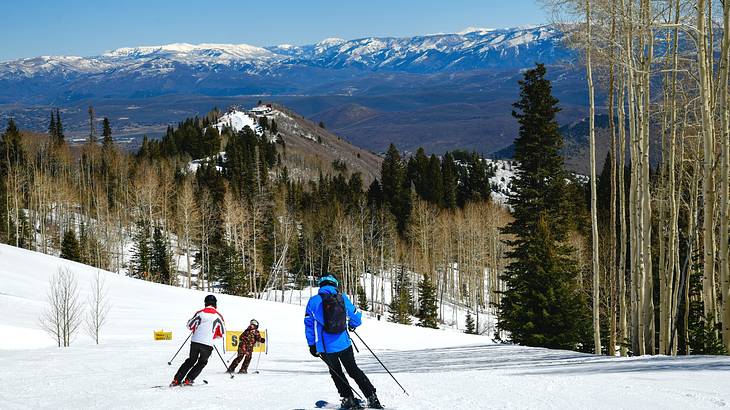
(204, 382)
(324, 404)
(243, 374)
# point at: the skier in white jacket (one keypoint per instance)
(207, 325)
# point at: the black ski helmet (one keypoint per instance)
(210, 300)
(255, 322)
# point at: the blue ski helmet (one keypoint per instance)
(328, 280)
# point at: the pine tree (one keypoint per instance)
(106, 132)
(470, 327)
(375, 195)
(362, 298)
(59, 138)
(52, 128)
(396, 189)
(70, 248)
(428, 314)
(401, 304)
(139, 266)
(434, 181)
(448, 175)
(160, 258)
(12, 148)
(541, 305)
(274, 127)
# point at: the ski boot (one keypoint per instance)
(373, 402)
(175, 382)
(350, 403)
(188, 382)
(243, 371)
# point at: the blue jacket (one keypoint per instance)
(314, 323)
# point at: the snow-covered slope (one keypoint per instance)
(440, 369)
(238, 120)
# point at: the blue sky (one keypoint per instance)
(72, 27)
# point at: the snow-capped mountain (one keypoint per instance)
(439, 91)
(468, 50)
(473, 48)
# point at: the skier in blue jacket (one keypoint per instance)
(328, 339)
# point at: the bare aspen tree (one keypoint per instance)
(98, 307)
(724, 236)
(188, 222)
(708, 135)
(63, 314)
(594, 207)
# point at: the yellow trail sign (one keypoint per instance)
(162, 335)
(233, 336)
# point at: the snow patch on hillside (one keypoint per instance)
(238, 120)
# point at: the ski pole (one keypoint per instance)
(353, 343)
(381, 363)
(178, 350)
(222, 361)
(258, 359)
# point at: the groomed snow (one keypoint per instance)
(440, 369)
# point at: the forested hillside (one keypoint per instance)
(250, 210)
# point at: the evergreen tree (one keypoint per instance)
(541, 305)
(416, 170)
(55, 129)
(52, 128)
(449, 185)
(362, 298)
(396, 189)
(434, 182)
(58, 136)
(227, 268)
(70, 248)
(274, 127)
(401, 304)
(470, 326)
(106, 132)
(375, 195)
(85, 246)
(139, 266)
(12, 148)
(428, 314)
(703, 335)
(160, 258)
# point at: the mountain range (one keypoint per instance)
(439, 91)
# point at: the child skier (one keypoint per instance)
(207, 325)
(325, 326)
(246, 342)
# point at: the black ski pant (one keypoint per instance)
(191, 368)
(346, 358)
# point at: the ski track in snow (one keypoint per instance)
(441, 369)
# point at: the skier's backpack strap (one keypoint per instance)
(335, 313)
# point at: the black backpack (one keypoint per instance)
(335, 313)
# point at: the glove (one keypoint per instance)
(263, 340)
(313, 350)
(351, 328)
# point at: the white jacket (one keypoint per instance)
(207, 325)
